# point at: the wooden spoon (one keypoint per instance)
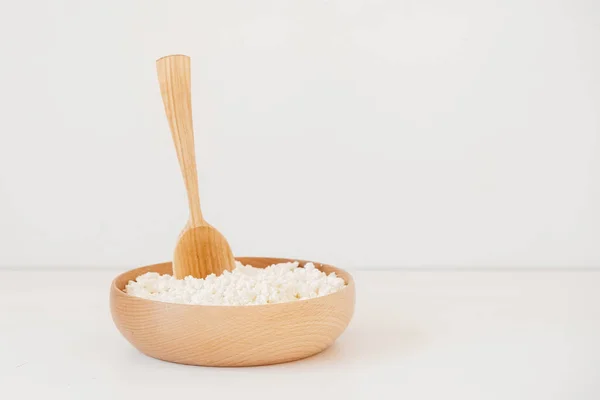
(201, 250)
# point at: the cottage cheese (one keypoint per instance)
(245, 285)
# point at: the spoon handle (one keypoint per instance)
(175, 89)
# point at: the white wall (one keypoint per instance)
(362, 133)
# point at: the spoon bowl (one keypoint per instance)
(201, 251)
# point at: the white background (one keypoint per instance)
(362, 133)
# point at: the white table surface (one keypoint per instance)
(415, 335)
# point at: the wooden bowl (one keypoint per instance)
(231, 335)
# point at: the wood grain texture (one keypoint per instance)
(231, 335)
(201, 249)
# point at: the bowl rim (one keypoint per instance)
(345, 275)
